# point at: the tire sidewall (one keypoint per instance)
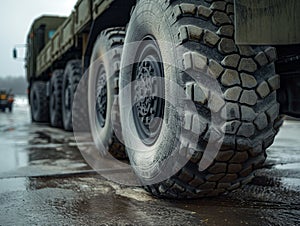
(56, 110)
(34, 112)
(101, 56)
(70, 77)
(67, 121)
(148, 161)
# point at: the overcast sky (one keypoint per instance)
(16, 17)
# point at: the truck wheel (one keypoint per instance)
(39, 102)
(200, 42)
(71, 78)
(56, 98)
(103, 90)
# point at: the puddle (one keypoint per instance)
(13, 184)
(289, 166)
(50, 165)
(12, 157)
(291, 183)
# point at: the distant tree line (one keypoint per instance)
(17, 84)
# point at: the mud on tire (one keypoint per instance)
(246, 75)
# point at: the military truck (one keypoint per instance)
(249, 49)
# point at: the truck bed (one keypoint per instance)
(66, 36)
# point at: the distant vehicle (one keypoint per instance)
(249, 49)
(6, 100)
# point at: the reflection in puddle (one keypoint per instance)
(12, 157)
(21, 158)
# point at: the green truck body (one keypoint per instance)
(71, 32)
(257, 22)
(37, 40)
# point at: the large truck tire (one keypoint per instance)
(71, 79)
(200, 37)
(103, 91)
(39, 103)
(56, 98)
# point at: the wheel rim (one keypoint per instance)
(67, 96)
(53, 99)
(34, 100)
(147, 109)
(101, 96)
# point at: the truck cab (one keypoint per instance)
(42, 30)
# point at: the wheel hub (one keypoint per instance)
(148, 109)
(144, 97)
(53, 99)
(35, 101)
(68, 96)
(101, 97)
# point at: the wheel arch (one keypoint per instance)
(106, 20)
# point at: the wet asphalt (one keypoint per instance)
(45, 181)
